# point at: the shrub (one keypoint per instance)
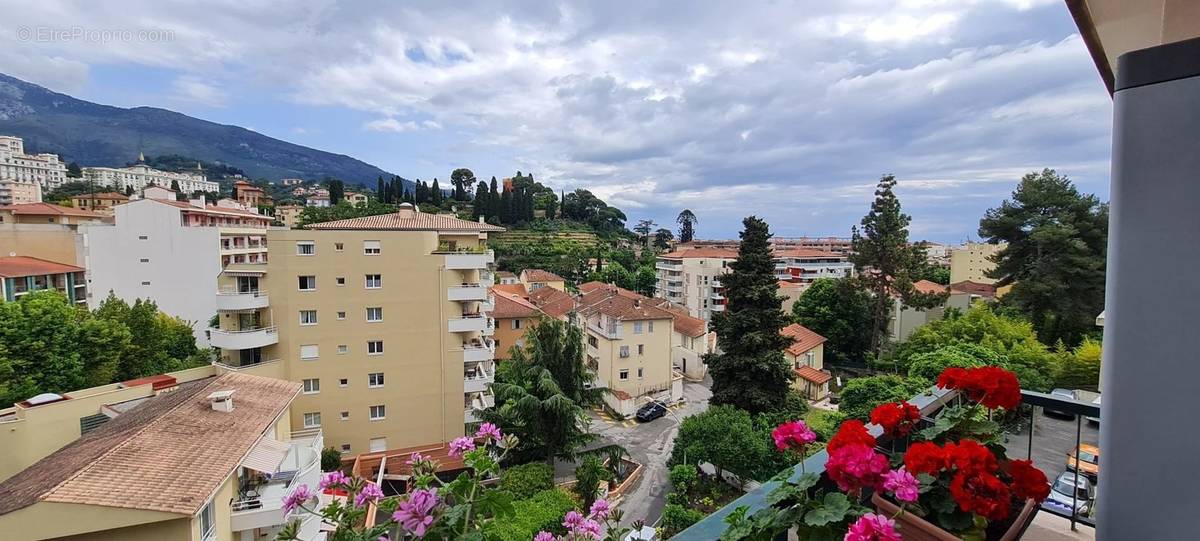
(331, 459)
(824, 423)
(676, 518)
(861, 395)
(1080, 369)
(684, 477)
(588, 475)
(527, 479)
(543, 511)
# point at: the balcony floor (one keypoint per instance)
(1047, 527)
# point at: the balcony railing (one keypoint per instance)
(477, 352)
(261, 505)
(467, 260)
(233, 299)
(477, 381)
(712, 526)
(468, 323)
(467, 292)
(243, 339)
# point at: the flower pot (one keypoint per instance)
(914, 528)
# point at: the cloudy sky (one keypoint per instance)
(787, 110)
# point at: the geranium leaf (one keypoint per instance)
(832, 509)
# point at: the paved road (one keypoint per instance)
(650, 444)
(1053, 438)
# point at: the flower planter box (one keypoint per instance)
(915, 528)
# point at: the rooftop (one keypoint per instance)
(701, 252)
(169, 454)
(48, 209)
(555, 303)
(803, 338)
(20, 266)
(102, 195)
(512, 305)
(539, 275)
(973, 288)
(407, 219)
(926, 286)
(213, 209)
(621, 305)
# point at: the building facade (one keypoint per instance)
(514, 315)
(806, 354)
(14, 192)
(99, 202)
(692, 279)
(385, 320)
(804, 265)
(44, 170)
(249, 194)
(21, 275)
(288, 215)
(138, 177)
(972, 261)
(46, 213)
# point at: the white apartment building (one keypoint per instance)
(172, 252)
(44, 170)
(141, 175)
(691, 279)
(804, 265)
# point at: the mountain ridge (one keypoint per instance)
(93, 134)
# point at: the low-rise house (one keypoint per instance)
(964, 294)
(47, 213)
(535, 279)
(317, 201)
(505, 277)
(555, 303)
(288, 215)
(690, 341)
(355, 198)
(807, 357)
(20, 275)
(211, 459)
(791, 291)
(906, 319)
(249, 194)
(514, 315)
(99, 202)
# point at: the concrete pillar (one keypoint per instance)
(1150, 439)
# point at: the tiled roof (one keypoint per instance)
(18, 266)
(512, 305)
(104, 195)
(539, 275)
(684, 324)
(505, 274)
(169, 454)
(803, 339)
(621, 304)
(516, 289)
(926, 286)
(555, 303)
(588, 287)
(784, 283)
(701, 252)
(974, 288)
(406, 220)
(47, 209)
(809, 373)
(807, 253)
(214, 209)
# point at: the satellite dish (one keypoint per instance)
(12, 254)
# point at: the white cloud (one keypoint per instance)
(191, 89)
(390, 124)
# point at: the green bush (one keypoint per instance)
(527, 479)
(684, 477)
(676, 518)
(544, 511)
(588, 475)
(331, 459)
(824, 423)
(861, 395)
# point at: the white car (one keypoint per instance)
(1060, 494)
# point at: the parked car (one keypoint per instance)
(1060, 393)
(651, 411)
(1060, 498)
(1088, 461)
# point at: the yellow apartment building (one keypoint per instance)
(206, 459)
(288, 215)
(972, 261)
(99, 202)
(806, 354)
(46, 213)
(514, 315)
(384, 320)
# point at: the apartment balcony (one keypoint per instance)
(479, 351)
(476, 403)
(243, 339)
(477, 378)
(488, 304)
(666, 265)
(467, 292)
(233, 300)
(716, 295)
(467, 260)
(259, 501)
(469, 323)
(245, 269)
(715, 283)
(1056, 437)
(717, 308)
(675, 287)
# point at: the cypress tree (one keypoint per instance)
(750, 373)
(493, 201)
(506, 207)
(479, 206)
(435, 193)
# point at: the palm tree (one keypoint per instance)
(687, 225)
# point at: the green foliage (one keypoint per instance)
(589, 474)
(69, 189)
(928, 366)
(331, 459)
(687, 225)
(750, 372)
(1055, 259)
(582, 206)
(841, 312)
(886, 262)
(158, 343)
(684, 477)
(991, 338)
(824, 422)
(795, 505)
(1080, 368)
(542, 512)
(525, 480)
(677, 518)
(342, 211)
(729, 439)
(935, 273)
(663, 238)
(861, 395)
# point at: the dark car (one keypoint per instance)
(651, 411)
(1065, 394)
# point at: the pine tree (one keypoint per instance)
(750, 372)
(506, 207)
(886, 263)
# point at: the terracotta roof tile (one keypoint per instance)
(684, 324)
(803, 339)
(926, 286)
(701, 252)
(102, 195)
(47, 209)
(809, 373)
(512, 305)
(807, 253)
(19, 266)
(515, 289)
(974, 288)
(588, 287)
(406, 220)
(553, 302)
(621, 304)
(539, 275)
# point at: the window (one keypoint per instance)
(624, 374)
(593, 342)
(343, 382)
(309, 352)
(345, 447)
(641, 349)
(208, 522)
(308, 317)
(374, 281)
(516, 324)
(345, 416)
(378, 445)
(306, 247)
(371, 247)
(308, 283)
(375, 380)
(312, 420)
(143, 237)
(337, 246)
(341, 316)
(341, 280)
(650, 326)
(374, 314)
(145, 283)
(375, 347)
(144, 260)
(624, 351)
(343, 349)
(637, 327)
(312, 386)
(378, 412)
(641, 372)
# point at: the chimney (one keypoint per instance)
(221, 401)
(198, 202)
(407, 210)
(481, 220)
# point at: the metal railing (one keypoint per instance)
(713, 525)
(270, 329)
(235, 291)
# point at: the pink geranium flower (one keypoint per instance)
(873, 527)
(902, 484)
(460, 446)
(600, 510)
(489, 431)
(369, 493)
(296, 499)
(543, 536)
(333, 479)
(416, 457)
(793, 435)
(416, 514)
(856, 466)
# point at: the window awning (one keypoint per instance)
(266, 456)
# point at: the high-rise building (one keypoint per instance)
(973, 261)
(385, 320)
(691, 279)
(45, 170)
(138, 177)
(14, 192)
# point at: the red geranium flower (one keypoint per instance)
(925, 457)
(992, 386)
(1028, 482)
(969, 456)
(896, 418)
(981, 493)
(851, 432)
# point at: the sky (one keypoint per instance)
(790, 111)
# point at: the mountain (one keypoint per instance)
(101, 135)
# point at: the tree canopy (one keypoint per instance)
(687, 225)
(841, 312)
(1055, 258)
